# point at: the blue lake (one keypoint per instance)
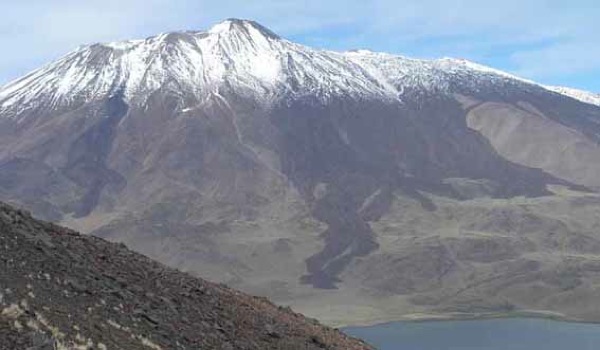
(494, 334)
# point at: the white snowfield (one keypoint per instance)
(247, 57)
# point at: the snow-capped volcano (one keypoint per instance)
(246, 57)
(236, 53)
(282, 169)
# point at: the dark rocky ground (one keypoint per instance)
(62, 290)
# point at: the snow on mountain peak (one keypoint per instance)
(234, 24)
(583, 96)
(241, 55)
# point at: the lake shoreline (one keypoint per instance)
(459, 316)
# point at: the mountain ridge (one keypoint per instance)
(581, 95)
(230, 40)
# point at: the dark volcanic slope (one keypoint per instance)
(57, 285)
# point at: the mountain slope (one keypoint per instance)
(85, 292)
(584, 96)
(242, 157)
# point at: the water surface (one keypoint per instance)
(495, 334)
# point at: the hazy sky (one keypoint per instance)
(553, 41)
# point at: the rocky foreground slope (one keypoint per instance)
(58, 288)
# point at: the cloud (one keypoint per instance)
(509, 34)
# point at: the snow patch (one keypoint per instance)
(583, 96)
